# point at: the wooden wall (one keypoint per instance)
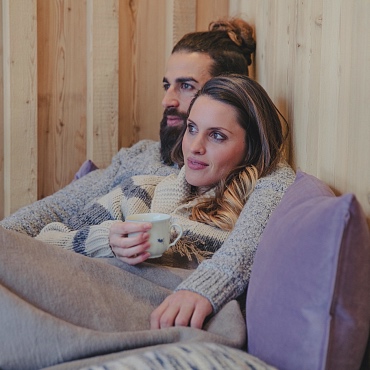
(313, 58)
(82, 78)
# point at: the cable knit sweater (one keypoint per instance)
(225, 276)
(88, 234)
(142, 158)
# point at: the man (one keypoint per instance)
(225, 48)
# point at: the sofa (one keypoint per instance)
(308, 300)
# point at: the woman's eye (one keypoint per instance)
(191, 128)
(218, 136)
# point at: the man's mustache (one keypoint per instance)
(172, 111)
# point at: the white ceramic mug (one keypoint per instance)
(160, 233)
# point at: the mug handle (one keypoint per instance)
(179, 231)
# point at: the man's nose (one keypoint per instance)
(170, 99)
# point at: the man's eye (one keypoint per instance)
(166, 86)
(187, 86)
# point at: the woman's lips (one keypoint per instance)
(194, 164)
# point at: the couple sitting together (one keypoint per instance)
(220, 176)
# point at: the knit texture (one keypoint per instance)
(88, 234)
(143, 158)
(226, 275)
(223, 277)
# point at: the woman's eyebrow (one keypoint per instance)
(220, 128)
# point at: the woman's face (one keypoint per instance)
(214, 142)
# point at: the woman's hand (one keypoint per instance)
(131, 250)
(182, 308)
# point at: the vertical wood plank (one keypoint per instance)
(265, 37)
(127, 134)
(283, 77)
(102, 81)
(20, 103)
(329, 89)
(183, 19)
(144, 65)
(273, 65)
(180, 20)
(210, 10)
(62, 91)
(247, 11)
(1, 114)
(151, 61)
(307, 55)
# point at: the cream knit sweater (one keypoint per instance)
(88, 233)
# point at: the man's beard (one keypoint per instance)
(169, 134)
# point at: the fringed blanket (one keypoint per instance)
(59, 307)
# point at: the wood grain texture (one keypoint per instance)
(149, 62)
(142, 64)
(128, 40)
(312, 58)
(247, 11)
(62, 91)
(1, 114)
(102, 81)
(19, 104)
(183, 19)
(210, 10)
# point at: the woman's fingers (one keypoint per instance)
(129, 241)
(182, 308)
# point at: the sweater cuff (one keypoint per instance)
(216, 286)
(97, 242)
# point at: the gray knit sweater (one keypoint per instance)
(142, 158)
(226, 275)
(221, 278)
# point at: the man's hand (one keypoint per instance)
(182, 308)
(131, 250)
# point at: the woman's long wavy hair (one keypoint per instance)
(264, 137)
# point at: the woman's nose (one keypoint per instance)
(197, 146)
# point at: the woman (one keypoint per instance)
(231, 162)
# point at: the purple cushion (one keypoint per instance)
(85, 168)
(308, 301)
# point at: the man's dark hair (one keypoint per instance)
(229, 43)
